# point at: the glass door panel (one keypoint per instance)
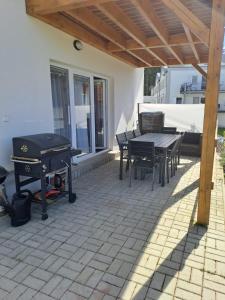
(100, 120)
(82, 102)
(61, 101)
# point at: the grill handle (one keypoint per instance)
(60, 149)
(19, 160)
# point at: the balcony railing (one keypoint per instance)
(189, 87)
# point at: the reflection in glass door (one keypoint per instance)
(82, 101)
(100, 120)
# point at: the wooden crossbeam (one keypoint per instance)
(200, 70)
(210, 116)
(113, 12)
(190, 39)
(63, 23)
(44, 7)
(146, 10)
(189, 19)
(155, 42)
(89, 19)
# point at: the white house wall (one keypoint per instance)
(27, 47)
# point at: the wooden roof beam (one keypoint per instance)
(89, 19)
(189, 19)
(190, 60)
(66, 25)
(146, 10)
(114, 13)
(190, 39)
(200, 70)
(44, 7)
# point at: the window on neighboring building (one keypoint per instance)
(203, 100)
(194, 80)
(178, 100)
(195, 100)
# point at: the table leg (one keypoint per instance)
(164, 163)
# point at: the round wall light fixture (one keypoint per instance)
(78, 45)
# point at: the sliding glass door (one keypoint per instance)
(61, 101)
(79, 108)
(83, 113)
(100, 113)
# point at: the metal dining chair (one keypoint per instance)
(129, 135)
(123, 147)
(142, 156)
(136, 132)
(172, 160)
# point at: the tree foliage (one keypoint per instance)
(149, 79)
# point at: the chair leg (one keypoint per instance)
(130, 174)
(178, 158)
(167, 171)
(142, 174)
(121, 165)
(127, 165)
(153, 178)
(160, 171)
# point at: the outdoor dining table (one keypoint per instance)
(162, 142)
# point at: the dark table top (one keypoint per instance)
(160, 140)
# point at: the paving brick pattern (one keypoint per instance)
(118, 242)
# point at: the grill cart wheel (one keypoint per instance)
(44, 217)
(73, 198)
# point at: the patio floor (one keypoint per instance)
(118, 242)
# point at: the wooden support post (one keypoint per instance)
(210, 117)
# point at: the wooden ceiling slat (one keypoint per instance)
(146, 10)
(113, 12)
(189, 19)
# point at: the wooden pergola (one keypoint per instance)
(149, 33)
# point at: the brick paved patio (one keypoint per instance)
(118, 242)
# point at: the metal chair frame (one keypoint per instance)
(143, 156)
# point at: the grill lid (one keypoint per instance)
(38, 144)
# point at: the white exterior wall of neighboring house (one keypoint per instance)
(27, 47)
(171, 80)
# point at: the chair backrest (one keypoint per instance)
(121, 138)
(129, 135)
(141, 150)
(169, 130)
(137, 132)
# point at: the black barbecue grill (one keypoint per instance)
(36, 156)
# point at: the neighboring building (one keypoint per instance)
(185, 85)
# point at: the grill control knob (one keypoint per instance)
(44, 168)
